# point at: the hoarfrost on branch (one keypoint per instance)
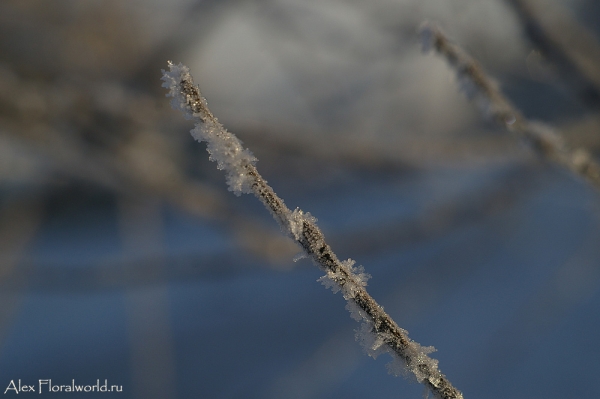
(379, 333)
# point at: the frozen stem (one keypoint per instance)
(379, 333)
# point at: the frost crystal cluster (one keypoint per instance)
(378, 333)
(224, 148)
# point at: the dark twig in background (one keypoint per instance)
(567, 45)
(486, 93)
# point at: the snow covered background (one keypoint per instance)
(124, 257)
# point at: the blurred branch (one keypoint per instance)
(148, 312)
(429, 224)
(121, 274)
(437, 221)
(136, 161)
(583, 132)
(569, 46)
(19, 221)
(404, 156)
(479, 87)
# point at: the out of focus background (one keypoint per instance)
(124, 258)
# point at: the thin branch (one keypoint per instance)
(407, 155)
(479, 87)
(576, 62)
(379, 332)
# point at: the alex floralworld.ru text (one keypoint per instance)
(46, 386)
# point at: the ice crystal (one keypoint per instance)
(224, 148)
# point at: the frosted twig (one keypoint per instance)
(379, 332)
(479, 87)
